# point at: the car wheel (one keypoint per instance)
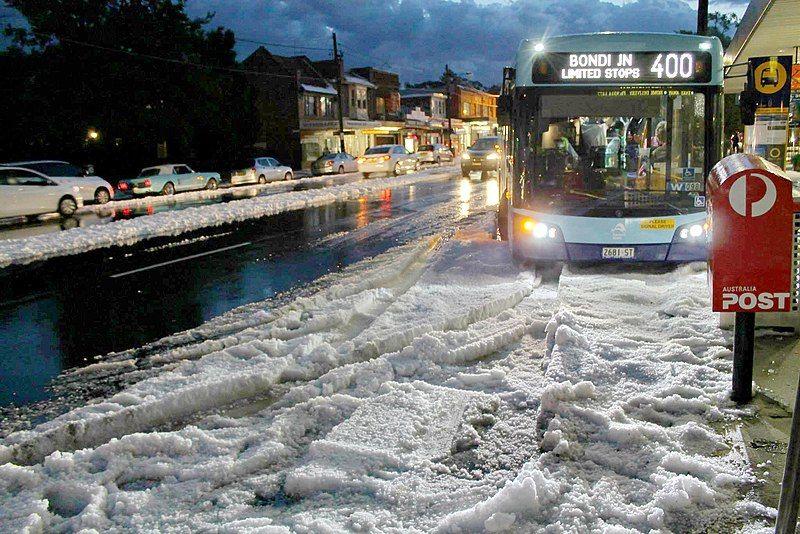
(67, 206)
(211, 185)
(341, 169)
(168, 189)
(465, 173)
(439, 161)
(484, 175)
(287, 176)
(101, 196)
(396, 171)
(262, 179)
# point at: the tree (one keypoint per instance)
(720, 25)
(139, 72)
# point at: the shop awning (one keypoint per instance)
(768, 28)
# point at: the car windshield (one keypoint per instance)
(54, 168)
(485, 143)
(149, 172)
(378, 150)
(425, 148)
(325, 157)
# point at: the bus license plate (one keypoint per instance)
(618, 252)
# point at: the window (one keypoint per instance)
(55, 168)
(309, 106)
(378, 150)
(353, 98)
(181, 169)
(155, 171)
(272, 162)
(21, 177)
(465, 109)
(597, 156)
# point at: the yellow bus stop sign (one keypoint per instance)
(770, 77)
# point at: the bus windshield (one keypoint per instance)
(613, 153)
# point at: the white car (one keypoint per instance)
(26, 192)
(389, 159)
(92, 188)
(260, 171)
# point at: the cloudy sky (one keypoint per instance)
(416, 38)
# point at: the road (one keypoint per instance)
(60, 314)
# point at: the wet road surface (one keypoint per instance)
(61, 313)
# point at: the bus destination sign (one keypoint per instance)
(622, 67)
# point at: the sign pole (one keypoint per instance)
(743, 335)
(787, 509)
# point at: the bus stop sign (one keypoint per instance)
(751, 214)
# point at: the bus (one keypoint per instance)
(608, 139)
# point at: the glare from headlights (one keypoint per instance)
(540, 230)
(493, 155)
(684, 233)
(551, 233)
(528, 225)
(465, 155)
(539, 47)
(696, 230)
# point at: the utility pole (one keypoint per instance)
(447, 85)
(702, 17)
(339, 74)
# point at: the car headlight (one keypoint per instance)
(493, 155)
(465, 155)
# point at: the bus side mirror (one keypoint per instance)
(504, 110)
(748, 102)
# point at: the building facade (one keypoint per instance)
(425, 114)
(476, 109)
(297, 108)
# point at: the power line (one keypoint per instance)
(283, 45)
(165, 59)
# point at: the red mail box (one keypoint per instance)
(751, 218)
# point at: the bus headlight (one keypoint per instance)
(540, 230)
(692, 231)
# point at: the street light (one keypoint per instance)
(92, 135)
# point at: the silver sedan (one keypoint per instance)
(260, 171)
(389, 159)
(337, 163)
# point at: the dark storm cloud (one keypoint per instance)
(417, 37)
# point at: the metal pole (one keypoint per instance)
(339, 74)
(702, 17)
(787, 509)
(449, 115)
(743, 334)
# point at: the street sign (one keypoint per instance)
(770, 77)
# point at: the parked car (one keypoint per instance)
(259, 171)
(337, 163)
(27, 192)
(484, 155)
(434, 153)
(92, 188)
(169, 179)
(391, 159)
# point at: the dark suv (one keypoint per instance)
(484, 155)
